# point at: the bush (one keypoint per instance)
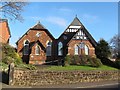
(117, 62)
(67, 60)
(95, 62)
(10, 56)
(76, 60)
(26, 66)
(83, 60)
(4, 66)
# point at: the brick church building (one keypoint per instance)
(38, 45)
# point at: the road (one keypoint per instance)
(106, 85)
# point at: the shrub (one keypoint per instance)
(80, 60)
(117, 62)
(84, 60)
(76, 60)
(9, 55)
(95, 62)
(67, 60)
(26, 66)
(4, 66)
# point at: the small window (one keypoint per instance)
(37, 50)
(38, 34)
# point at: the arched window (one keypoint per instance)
(48, 48)
(76, 51)
(37, 50)
(60, 49)
(81, 46)
(26, 48)
(86, 50)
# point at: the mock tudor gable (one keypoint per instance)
(38, 46)
(77, 40)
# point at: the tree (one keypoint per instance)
(115, 46)
(12, 10)
(102, 49)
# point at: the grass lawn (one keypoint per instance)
(73, 67)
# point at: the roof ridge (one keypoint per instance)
(38, 25)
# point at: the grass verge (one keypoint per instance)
(72, 67)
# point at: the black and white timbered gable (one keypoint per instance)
(76, 31)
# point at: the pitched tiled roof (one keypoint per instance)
(76, 22)
(38, 26)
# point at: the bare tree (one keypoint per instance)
(115, 46)
(12, 10)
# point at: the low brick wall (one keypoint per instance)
(38, 77)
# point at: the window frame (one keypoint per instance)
(60, 49)
(37, 50)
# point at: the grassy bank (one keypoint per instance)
(72, 67)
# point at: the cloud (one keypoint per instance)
(65, 10)
(36, 18)
(90, 18)
(57, 20)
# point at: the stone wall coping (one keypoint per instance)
(21, 69)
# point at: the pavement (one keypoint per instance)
(101, 84)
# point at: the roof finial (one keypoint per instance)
(38, 22)
(76, 15)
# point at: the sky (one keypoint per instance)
(99, 18)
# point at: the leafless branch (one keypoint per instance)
(12, 10)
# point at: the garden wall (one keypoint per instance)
(38, 77)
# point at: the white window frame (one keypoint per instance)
(49, 48)
(86, 50)
(24, 52)
(60, 49)
(76, 50)
(37, 48)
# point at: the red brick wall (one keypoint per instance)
(86, 42)
(31, 36)
(37, 59)
(4, 32)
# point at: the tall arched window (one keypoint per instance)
(37, 50)
(48, 48)
(86, 50)
(26, 48)
(81, 46)
(60, 49)
(76, 51)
